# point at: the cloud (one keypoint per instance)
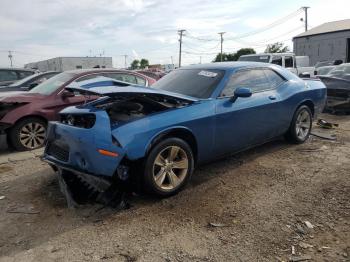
(40, 29)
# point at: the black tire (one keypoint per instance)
(150, 167)
(15, 132)
(292, 135)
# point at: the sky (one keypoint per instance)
(35, 30)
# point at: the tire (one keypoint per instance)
(300, 127)
(168, 167)
(28, 134)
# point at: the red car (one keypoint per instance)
(24, 115)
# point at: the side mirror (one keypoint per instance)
(241, 92)
(66, 94)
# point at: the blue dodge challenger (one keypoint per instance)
(192, 115)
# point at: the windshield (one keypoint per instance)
(199, 83)
(52, 84)
(255, 58)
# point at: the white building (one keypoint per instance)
(329, 41)
(70, 63)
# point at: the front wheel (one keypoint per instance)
(300, 128)
(28, 134)
(168, 167)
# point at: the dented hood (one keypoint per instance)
(103, 86)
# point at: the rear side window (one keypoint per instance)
(8, 75)
(274, 78)
(255, 79)
(288, 61)
(140, 81)
(122, 77)
(23, 74)
(277, 60)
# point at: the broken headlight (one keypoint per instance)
(79, 120)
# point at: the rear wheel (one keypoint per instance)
(300, 128)
(168, 167)
(28, 134)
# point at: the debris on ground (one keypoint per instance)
(305, 245)
(323, 135)
(217, 225)
(2, 197)
(23, 210)
(309, 225)
(299, 258)
(325, 124)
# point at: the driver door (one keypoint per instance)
(246, 121)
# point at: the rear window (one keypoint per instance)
(256, 58)
(199, 83)
(7, 75)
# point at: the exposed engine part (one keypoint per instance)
(136, 107)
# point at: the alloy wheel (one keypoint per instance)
(303, 124)
(32, 135)
(170, 168)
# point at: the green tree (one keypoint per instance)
(144, 63)
(276, 48)
(135, 64)
(243, 51)
(234, 56)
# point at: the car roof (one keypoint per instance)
(227, 65)
(99, 70)
(17, 69)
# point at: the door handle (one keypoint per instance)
(272, 97)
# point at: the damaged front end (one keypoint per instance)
(89, 157)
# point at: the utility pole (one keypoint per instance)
(221, 40)
(125, 57)
(180, 32)
(10, 57)
(305, 8)
(200, 59)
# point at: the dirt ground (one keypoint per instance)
(249, 207)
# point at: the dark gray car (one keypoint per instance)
(29, 82)
(11, 75)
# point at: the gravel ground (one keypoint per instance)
(254, 206)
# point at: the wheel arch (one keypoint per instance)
(309, 104)
(31, 116)
(179, 132)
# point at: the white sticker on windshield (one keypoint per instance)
(207, 74)
(263, 57)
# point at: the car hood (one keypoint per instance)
(19, 97)
(115, 88)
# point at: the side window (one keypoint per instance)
(87, 77)
(122, 77)
(130, 79)
(8, 75)
(140, 81)
(274, 78)
(288, 61)
(277, 60)
(23, 74)
(254, 79)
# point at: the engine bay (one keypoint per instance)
(123, 110)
